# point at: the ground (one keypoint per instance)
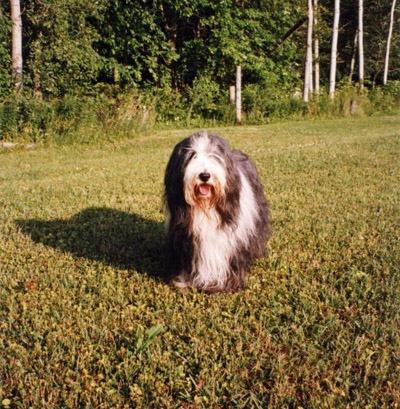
(87, 320)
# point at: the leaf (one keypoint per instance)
(151, 334)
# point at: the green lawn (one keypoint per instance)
(87, 321)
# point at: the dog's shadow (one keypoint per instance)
(123, 240)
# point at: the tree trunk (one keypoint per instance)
(308, 65)
(335, 35)
(361, 42)
(385, 72)
(232, 94)
(316, 48)
(239, 95)
(289, 33)
(353, 56)
(16, 51)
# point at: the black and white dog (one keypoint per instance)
(218, 218)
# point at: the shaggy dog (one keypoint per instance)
(217, 215)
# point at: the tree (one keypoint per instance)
(335, 35)
(292, 30)
(353, 56)
(16, 50)
(78, 46)
(139, 41)
(308, 65)
(174, 42)
(316, 47)
(361, 43)
(60, 57)
(5, 56)
(239, 94)
(385, 72)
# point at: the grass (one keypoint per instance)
(86, 319)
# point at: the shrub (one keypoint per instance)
(205, 98)
(115, 113)
(71, 118)
(264, 102)
(386, 98)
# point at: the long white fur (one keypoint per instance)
(212, 253)
(216, 244)
(202, 161)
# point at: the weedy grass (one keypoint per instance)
(86, 319)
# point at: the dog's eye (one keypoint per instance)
(217, 158)
(190, 155)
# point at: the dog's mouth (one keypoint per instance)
(204, 189)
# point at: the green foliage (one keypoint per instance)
(26, 119)
(5, 54)
(59, 56)
(230, 34)
(120, 114)
(376, 32)
(205, 97)
(140, 343)
(164, 48)
(166, 44)
(392, 88)
(127, 67)
(72, 119)
(376, 27)
(269, 100)
(376, 101)
(132, 44)
(87, 321)
(385, 98)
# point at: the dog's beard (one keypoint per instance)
(204, 196)
(203, 191)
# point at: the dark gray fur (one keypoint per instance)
(180, 235)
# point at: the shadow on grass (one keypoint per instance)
(124, 240)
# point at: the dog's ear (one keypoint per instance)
(180, 246)
(173, 179)
(229, 203)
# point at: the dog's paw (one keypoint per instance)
(181, 282)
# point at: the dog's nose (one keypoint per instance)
(204, 176)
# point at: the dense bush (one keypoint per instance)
(117, 114)
(262, 103)
(5, 57)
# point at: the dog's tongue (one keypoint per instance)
(204, 189)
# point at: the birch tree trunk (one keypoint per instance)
(385, 72)
(238, 94)
(335, 36)
(353, 56)
(16, 50)
(316, 48)
(308, 65)
(361, 42)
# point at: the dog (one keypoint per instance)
(217, 216)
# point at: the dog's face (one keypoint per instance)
(205, 174)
